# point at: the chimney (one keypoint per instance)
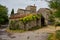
(34, 4)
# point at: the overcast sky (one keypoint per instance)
(23, 3)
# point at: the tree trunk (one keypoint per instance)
(0, 25)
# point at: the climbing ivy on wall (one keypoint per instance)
(15, 24)
(31, 17)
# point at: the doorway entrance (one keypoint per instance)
(42, 21)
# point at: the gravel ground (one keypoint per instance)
(40, 34)
(30, 35)
(24, 36)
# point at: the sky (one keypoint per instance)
(22, 4)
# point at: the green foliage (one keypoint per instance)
(15, 31)
(39, 15)
(12, 12)
(55, 4)
(50, 37)
(52, 20)
(57, 14)
(29, 18)
(3, 14)
(57, 23)
(14, 25)
(34, 28)
(58, 34)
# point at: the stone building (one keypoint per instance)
(46, 13)
(28, 9)
(31, 8)
(21, 13)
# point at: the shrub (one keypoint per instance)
(58, 34)
(51, 20)
(57, 23)
(14, 25)
(51, 36)
(34, 28)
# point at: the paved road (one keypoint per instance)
(31, 35)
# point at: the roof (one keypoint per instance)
(17, 15)
(43, 10)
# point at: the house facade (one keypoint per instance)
(21, 13)
(46, 13)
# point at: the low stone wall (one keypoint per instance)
(28, 25)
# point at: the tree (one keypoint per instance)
(55, 4)
(12, 12)
(3, 14)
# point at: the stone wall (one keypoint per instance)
(28, 9)
(29, 25)
(31, 8)
(46, 13)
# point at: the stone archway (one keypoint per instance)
(42, 21)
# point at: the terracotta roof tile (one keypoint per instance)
(17, 15)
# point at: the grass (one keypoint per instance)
(14, 31)
(50, 37)
(34, 28)
(57, 36)
(20, 31)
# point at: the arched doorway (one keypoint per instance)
(42, 21)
